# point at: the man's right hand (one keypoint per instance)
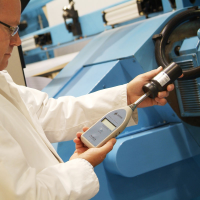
(93, 155)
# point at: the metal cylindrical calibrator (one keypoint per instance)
(163, 79)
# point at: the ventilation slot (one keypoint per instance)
(189, 93)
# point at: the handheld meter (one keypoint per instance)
(109, 126)
(114, 122)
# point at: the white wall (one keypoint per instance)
(15, 68)
(54, 8)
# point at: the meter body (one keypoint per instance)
(109, 126)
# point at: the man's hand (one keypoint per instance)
(134, 90)
(93, 155)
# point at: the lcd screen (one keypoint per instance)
(108, 124)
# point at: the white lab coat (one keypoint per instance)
(30, 168)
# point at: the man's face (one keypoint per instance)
(10, 11)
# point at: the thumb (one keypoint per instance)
(149, 75)
(106, 148)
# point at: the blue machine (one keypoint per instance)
(59, 35)
(160, 157)
(91, 24)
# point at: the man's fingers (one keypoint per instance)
(85, 129)
(160, 102)
(106, 148)
(76, 140)
(170, 87)
(163, 94)
(149, 75)
(79, 145)
(78, 135)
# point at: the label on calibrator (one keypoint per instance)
(162, 78)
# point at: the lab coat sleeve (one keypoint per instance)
(62, 118)
(73, 180)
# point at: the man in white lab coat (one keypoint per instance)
(30, 168)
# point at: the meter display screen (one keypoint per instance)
(108, 124)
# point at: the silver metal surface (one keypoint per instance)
(136, 103)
